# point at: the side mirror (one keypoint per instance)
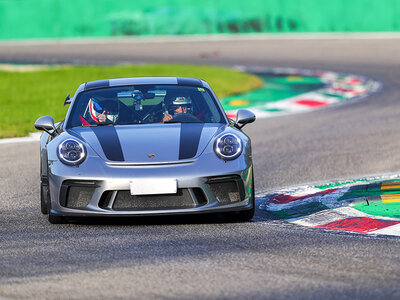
(46, 123)
(244, 117)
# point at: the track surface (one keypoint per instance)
(210, 258)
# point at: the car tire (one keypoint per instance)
(43, 198)
(53, 219)
(246, 215)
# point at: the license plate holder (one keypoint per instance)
(153, 186)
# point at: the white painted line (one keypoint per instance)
(33, 137)
(328, 216)
(391, 230)
(207, 38)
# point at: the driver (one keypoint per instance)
(181, 105)
(104, 111)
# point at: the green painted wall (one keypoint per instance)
(104, 18)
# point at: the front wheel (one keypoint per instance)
(53, 219)
(43, 198)
(246, 215)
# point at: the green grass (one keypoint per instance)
(25, 96)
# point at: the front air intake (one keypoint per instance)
(227, 189)
(76, 194)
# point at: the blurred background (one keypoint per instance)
(26, 19)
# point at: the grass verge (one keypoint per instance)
(25, 96)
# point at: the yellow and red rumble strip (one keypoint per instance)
(333, 207)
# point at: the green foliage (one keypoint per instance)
(25, 96)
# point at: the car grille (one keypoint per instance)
(184, 198)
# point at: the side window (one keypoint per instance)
(78, 110)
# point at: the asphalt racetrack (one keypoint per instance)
(209, 258)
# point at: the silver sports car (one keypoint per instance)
(145, 146)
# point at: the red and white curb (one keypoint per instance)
(338, 88)
(352, 220)
(335, 215)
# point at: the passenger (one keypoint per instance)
(181, 105)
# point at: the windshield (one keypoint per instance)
(144, 104)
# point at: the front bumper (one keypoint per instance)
(98, 189)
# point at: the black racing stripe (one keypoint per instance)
(189, 140)
(97, 84)
(189, 81)
(109, 141)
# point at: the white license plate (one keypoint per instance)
(152, 186)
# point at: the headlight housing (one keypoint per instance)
(71, 152)
(228, 146)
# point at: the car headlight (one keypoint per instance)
(71, 152)
(228, 146)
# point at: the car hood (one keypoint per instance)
(154, 143)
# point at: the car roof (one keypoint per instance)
(145, 80)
